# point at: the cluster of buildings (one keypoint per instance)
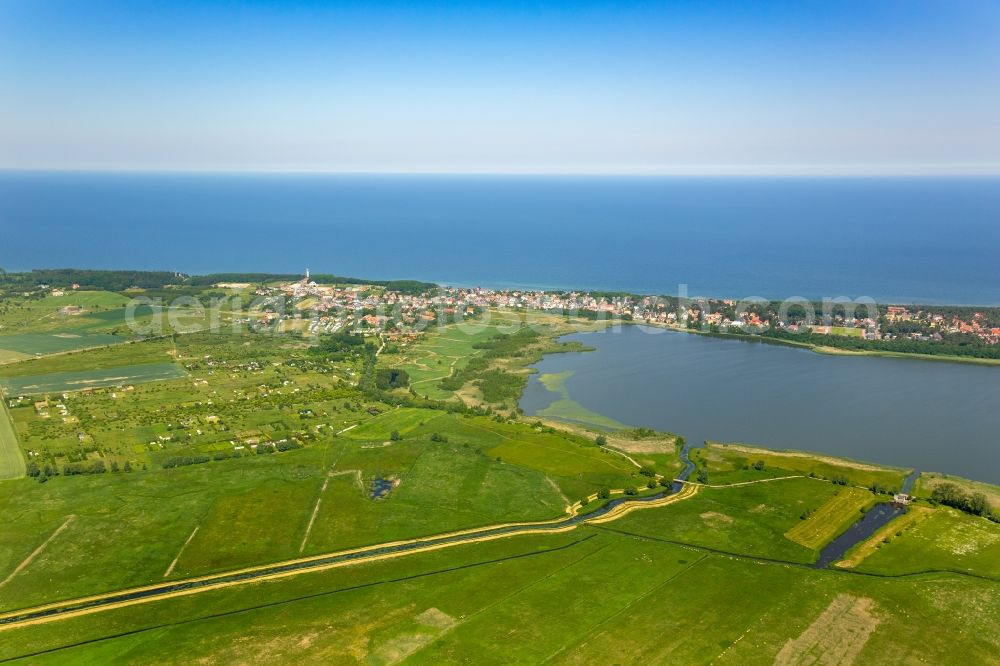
(928, 324)
(329, 308)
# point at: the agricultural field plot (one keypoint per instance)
(588, 596)
(71, 306)
(833, 517)
(7, 356)
(24, 345)
(947, 539)
(258, 509)
(263, 523)
(437, 487)
(732, 463)
(62, 382)
(129, 526)
(751, 519)
(401, 421)
(11, 459)
(574, 464)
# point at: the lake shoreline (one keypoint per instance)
(537, 373)
(826, 350)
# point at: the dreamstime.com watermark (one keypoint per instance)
(468, 311)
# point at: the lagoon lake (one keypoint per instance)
(929, 415)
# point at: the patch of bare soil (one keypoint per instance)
(432, 617)
(837, 636)
(716, 519)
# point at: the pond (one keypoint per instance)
(381, 487)
(928, 415)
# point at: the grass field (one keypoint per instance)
(830, 519)
(946, 539)
(722, 576)
(851, 332)
(11, 459)
(730, 463)
(131, 526)
(574, 464)
(914, 514)
(7, 356)
(150, 351)
(47, 312)
(399, 420)
(586, 597)
(750, 519)
(83, 379)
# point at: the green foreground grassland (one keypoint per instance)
(712, 578)
(626, 594)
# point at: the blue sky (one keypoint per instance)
(605, 87)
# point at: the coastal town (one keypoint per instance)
(329, 308)
(315, 305)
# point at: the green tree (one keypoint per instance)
(601, 440)
(979, 504)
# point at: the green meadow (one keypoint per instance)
(947, 540)
(733, 463)
(11, 459)
(181, 456)
(589, 596)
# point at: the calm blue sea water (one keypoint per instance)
(904, 240)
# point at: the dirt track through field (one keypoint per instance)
(36, 552)
(312, 518)
(173, 564)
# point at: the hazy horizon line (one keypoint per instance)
(714, 170)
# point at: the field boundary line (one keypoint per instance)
(744, 483)
(36, 552)
(180, 552)
(555, 487)
(312, 518)
(645, 595)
